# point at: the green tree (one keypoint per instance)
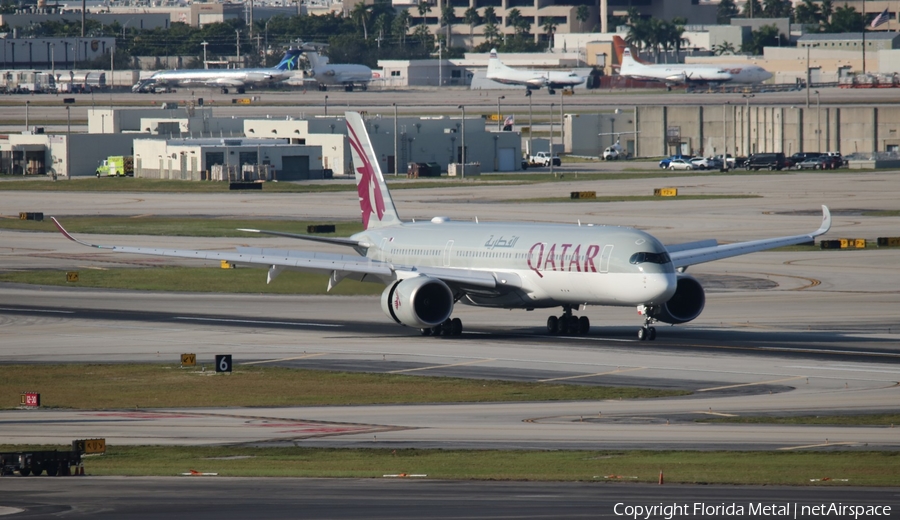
(724, 48)
(777, 9)
(845, 19)
(726, 11)
(765, 36)
(448, 19)
(423, 9)
(360, 16)
(549, 26)
(400, 27)
(514, 19)
(582, 13)
(751, 9)
(472, 18)
(424, 36)
(808, 12)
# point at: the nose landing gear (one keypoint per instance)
(568, 324)
(648, 331)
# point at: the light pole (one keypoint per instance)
(463, 108)
(551, 139)
(68, 125)
(237, 47)
(499, 117)
(205, 64)
(53, 60)
(530, 122)
(818, 123)
(807, 75)
(747, 117)
(562, 126)
(26, 114)
(326, 105)
(396, 157)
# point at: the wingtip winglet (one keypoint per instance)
(68, 235)
(826, 221)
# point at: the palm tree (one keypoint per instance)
(582, 13)
(448, 18)
(400, 27)
(514, 19)
(726, 11)
(549, 26)
(724, 48)
(808, 12)
(360, 15)
(424, 9)
(471, 18)
(491, 31)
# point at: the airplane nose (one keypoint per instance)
(659, 287)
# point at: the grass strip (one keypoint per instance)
(681, 467)
(117, 386)
(883, 419)
(196, 279)
(181, 226)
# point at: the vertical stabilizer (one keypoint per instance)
(626, 54)
(495, 66)
(375, 202)
(289, 62)
(315, 60)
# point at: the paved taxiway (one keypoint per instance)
(782, 333)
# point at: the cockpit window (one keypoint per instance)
(653, 258)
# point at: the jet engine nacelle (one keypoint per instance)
(419, 302)
(686, 304)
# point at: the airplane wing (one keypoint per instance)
(337, 265)
(685, 255)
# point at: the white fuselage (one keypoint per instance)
(341, 74)
(220, 77)
(692, 73)
(541, 265)
(533, 79)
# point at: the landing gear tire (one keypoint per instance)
(456, 327)
(551, 91)
(224, 91)
(553, 325)
(647, 333)
(24, 472)
(584, 325)
(426, 332)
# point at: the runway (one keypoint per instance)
(202, 498)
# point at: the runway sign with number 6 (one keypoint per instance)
(223, 363)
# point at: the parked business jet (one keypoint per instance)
(428, 267)
(348, 75)
(680, 74)
(531, 79)
(224, 79)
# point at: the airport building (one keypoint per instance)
(190, 143)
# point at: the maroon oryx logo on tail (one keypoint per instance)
(368, 183)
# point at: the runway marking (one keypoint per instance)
(441, 366)
(844, 443)
(36, 310)
(260, 322)
(751, 384)
(616, 371)
(719, 414)
(847, 369)
(283, 359)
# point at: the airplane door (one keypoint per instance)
(604, 258)
(383, 250)
(447, 251)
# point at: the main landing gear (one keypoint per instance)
(567, 324)
(450, 327)
(648, 331)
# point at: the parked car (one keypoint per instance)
(706, 163)
(799, 157)
(729, 161)
(818, 162)
(665, 162)
(680, 164)
(835, 159)
(768, 161)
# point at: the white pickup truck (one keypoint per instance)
(543, 159)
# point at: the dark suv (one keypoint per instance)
(769, 161)
(799, 157)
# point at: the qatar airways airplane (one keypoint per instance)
(428, 267)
